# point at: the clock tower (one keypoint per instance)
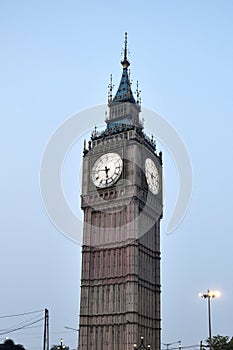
(122, 205)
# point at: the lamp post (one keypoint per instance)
(141, 346)
(210, 294)
(72, 329)
(61, 347)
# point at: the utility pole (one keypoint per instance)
(46, 330)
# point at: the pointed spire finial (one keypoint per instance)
(138, 92)
(124, 92)
(125, 63)
(125, 51)
(110, 89)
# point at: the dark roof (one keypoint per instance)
(124, 92)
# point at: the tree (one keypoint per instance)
(220, 342)
(10, 345)
(58, 347)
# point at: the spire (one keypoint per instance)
(125, 63)
(124, 92)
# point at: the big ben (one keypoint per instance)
(122, 206)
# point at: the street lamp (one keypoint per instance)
(141, 346)
(73, 329)
(210, 294)
(61, 345)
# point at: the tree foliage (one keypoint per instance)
(58, 347)
(220, 342)
(10, 345)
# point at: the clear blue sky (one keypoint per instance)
(56, 58)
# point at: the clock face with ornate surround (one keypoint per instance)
(106, 170)
(152, 176)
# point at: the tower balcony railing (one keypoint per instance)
(120, 132)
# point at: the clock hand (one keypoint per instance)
(106, 171)
(152, 175)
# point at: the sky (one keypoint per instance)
(56, 59)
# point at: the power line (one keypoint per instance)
(35, 326)
(183, 347)
(20, 324)
(19, 328)
(22, 314)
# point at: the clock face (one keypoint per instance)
(107, 170)
(152, 176)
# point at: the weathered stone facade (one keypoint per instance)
(120, 283)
